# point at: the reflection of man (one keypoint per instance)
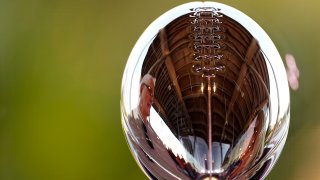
(146, 96)
(147, 147)
(142, 112)
(138, 119)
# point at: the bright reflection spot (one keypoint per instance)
(202, 87)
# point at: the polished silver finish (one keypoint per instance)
(205, 96)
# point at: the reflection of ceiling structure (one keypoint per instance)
(183, 56)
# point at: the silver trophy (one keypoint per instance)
(205, 96)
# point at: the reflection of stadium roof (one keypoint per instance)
(181, 94)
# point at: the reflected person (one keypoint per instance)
(149, 149)
(140, 115)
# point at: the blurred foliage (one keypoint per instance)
(61, 65)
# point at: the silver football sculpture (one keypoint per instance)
(205, 96)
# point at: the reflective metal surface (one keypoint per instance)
(205, 96)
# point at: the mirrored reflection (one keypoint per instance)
(203, 98)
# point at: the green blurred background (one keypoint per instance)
(61, 64)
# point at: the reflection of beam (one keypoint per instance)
(251, 51)
(243, 72)
(255, 112)
(171, 70)
(168, 61)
